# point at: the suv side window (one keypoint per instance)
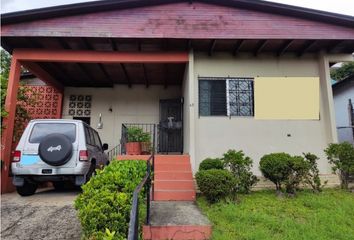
(88, 136)
(97, 140)
(92, 137)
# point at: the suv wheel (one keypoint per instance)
(27, 189)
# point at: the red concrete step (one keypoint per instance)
(174, 185)
(172, 167)
(184, 159)
(167, 175)
(174, 195)
(196, 232)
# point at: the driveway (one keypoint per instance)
(46, 215)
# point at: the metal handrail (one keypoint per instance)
(133, 232)
(114, 152)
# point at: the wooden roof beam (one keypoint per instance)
(211, 47)
(285, 47)
(65, 45)
(145, 76)
(139, 45)
(189, 45)
(43, 75)
(100, 65)
(165, 70)
(126, 75)
(308, 45)
(238, 46)
(113, 44)
(52, 68)
(87, 44)
(260, 46)
(334, 45)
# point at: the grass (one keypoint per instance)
(263, 215)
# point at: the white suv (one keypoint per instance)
(59, 151)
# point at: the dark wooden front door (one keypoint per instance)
(171, 126)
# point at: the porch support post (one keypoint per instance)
(192, 111)
(8, 123)
(327, 110)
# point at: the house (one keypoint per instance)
(214, 75)
(343, 95)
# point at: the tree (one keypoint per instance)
(341, 73)
(24, 95)
(4, 74)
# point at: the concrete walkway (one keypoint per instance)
(46, 215)
(164, 213)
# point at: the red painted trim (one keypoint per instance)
(42, 55)
(9, 122)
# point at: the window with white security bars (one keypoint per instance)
(226, 97)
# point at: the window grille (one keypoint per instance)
(240, 97)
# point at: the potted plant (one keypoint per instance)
(132, 145)
(145, 143)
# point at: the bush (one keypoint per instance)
(105, 201)
(215, 184)
(313, 178)
(281, 168)
(275, 167)
(341, 155)
(299, 169)
(211, 163)
(240, 166)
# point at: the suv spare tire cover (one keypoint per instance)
(55, 149)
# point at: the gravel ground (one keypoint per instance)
(46, 215)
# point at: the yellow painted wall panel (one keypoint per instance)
(286, 98)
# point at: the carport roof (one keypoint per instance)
(148, 26)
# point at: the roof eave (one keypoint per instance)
(107, 5)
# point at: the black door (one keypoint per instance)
(171, 126)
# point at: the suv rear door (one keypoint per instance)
(38, 131)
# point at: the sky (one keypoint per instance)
(338, 6)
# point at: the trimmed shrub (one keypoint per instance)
(105, 201)
(341, 155)
(299, 169)
(240, 166)
(312, 178)
(211, 163)
(215, 184)
(284, 169)
(275, 167)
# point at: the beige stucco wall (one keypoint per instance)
(129, 105)
(216, 134)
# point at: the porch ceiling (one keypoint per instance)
(106, 75)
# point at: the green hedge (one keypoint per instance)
(105, 201)
(215, 184)
(211, 163)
